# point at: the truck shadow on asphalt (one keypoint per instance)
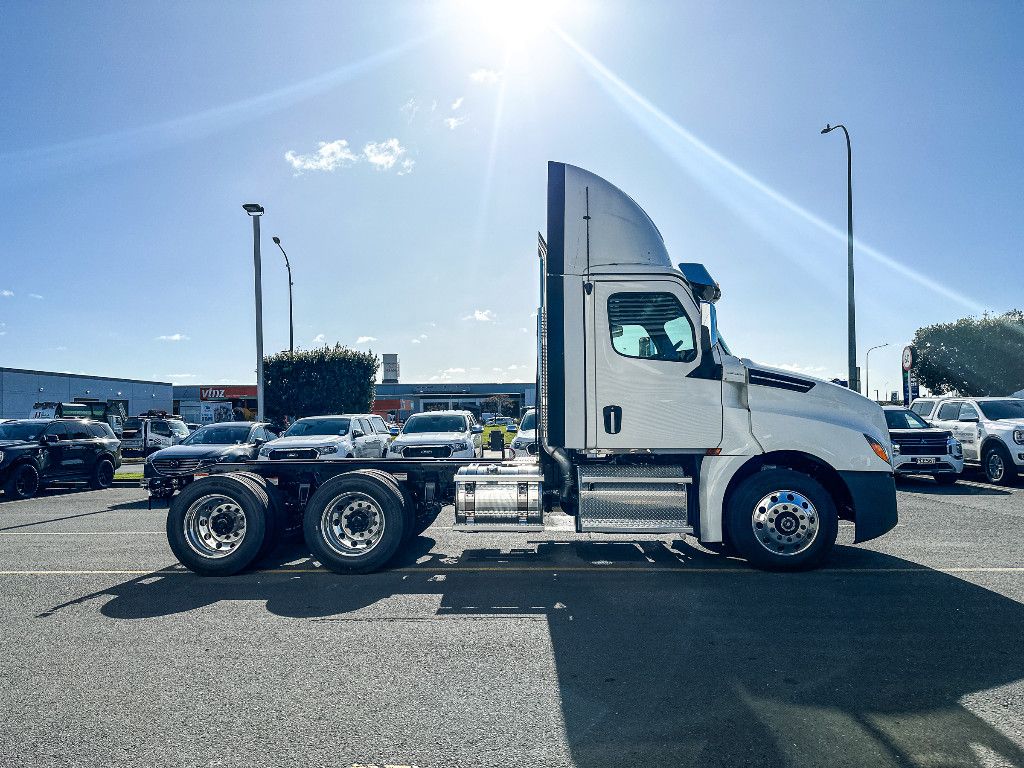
(675, 657)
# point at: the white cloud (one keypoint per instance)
(498, 370)
(416, 341)
(328, 156)
(365, 339)
(6, 292)
(176, 376)
(383, 155)
(454, 122)
(320, 338)
(61, 349)
(409, 109)
(423, 335)
(406, 166)
(481, 316)
(457, 103)
(173, 337)
(513, 367)
(34, 296)
(485, 76)
(450, 371)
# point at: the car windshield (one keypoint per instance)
(435, 423)
(904, 419)
(529, 421)
(304, 427)
(215, 434)
(501, 421)
(22, 430)
(1003, 409)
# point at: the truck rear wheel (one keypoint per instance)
(217, 525)
(354, 523)
(783, 520)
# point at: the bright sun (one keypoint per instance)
(516, 22)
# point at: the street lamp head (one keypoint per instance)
(828, 128)
(276, 239)
(253, 209)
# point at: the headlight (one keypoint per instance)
(327, 449)
(878, 448)
(895, 449)
(955, 448)
(395, 448)
(264, 451)
(461, 446)
(1018, 436)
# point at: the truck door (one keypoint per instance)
(649, 384)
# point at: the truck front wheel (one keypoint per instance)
(782, 520)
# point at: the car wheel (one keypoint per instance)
(781, 519)
(217, 525)
(102, 475)
(354, 523)
(23, 482)
(998, 466)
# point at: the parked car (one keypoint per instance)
(525, 442)
(192, 427)
(34, 452)
(171, 469)
(438, 435)
(920, 449)
(346, 436)
(991, 430)
(112, 412)
(144, 435)
(504, 424)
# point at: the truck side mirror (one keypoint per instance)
(357, 433)
(51, 439)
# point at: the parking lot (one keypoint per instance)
(529, 649)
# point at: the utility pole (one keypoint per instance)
(255, 211)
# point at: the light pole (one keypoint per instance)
(291, 325)
(867, 367)
(255, 210)
(852, 318)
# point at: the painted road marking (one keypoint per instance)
(519, 569)
(81, 533)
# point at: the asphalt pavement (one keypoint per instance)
(546, 649)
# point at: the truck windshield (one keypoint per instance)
(304, 427)
(529, 421)
(904, 419)
(432, 423)
(1002, 409)
(22, 430)
(215, 434)
(133, 424)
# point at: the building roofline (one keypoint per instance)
(82, 376)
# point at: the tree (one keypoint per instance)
(319, 381)
(972, 356)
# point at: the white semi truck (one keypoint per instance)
(647, 424)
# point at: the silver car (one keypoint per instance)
(346, 436)
(439, 435)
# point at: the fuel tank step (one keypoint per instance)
(632, 499)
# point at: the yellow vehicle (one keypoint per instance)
(504, 424)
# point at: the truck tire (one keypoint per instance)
(22, 482)
(217, 525)
(354, 523)
(275, 518)
(781, 519)
(102, 474)
(408, 504)
(998, 466)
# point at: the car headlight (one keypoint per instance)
(461, 445)
(327, 449)
(895, 449)
(264, 451)
(395, 448)
(1018, 436)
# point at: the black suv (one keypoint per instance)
(34, 452)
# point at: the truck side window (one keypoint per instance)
(949, 411)
(968, 411)
(651, 326)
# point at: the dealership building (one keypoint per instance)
(21, 389)
(402, 400)
(207, 403)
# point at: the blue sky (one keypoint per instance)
(400, 151)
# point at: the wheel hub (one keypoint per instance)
(214, 526)
(352, 524)
(785, 522)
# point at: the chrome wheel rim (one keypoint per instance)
(27, 482)
(352, 524)
(785, 523)
(995, 467)
(215, 526)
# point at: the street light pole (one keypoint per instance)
(255, 211)
(291, 325)
(851, 304)
(867, 368)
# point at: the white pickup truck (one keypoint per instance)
(646, 424)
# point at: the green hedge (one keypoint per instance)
(316, 382)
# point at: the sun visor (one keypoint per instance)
(593, 224)
(701, 283)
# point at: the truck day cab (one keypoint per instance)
(646, 424)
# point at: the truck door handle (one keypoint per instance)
(612, 419)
